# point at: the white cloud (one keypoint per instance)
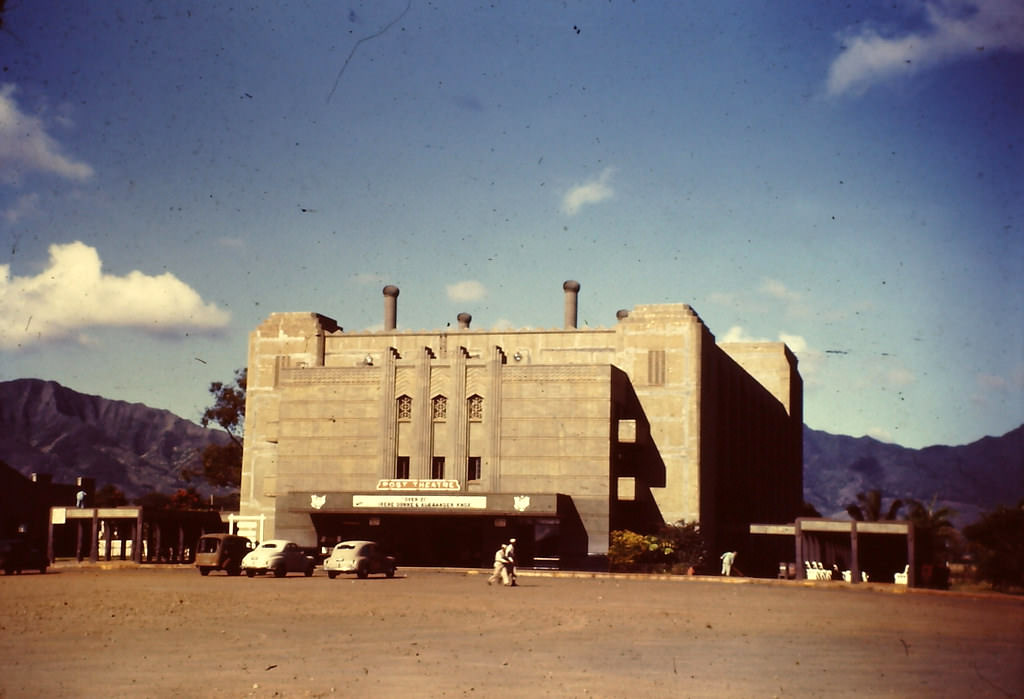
(899, 376)
(955, 30)
(881, 434)
(469, 290)
(810, 359)
(235, 243)
(25, 145)
(737, 334)
(591, 192)
(992, 388)
(25, 205)
(778, 290)
(73, 294)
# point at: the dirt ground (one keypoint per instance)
(163, 632)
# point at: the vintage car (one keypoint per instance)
(361, 558)
(280, 557)
(17, 555)
(221, 552)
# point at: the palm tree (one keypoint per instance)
(868, 507)
(935, 524)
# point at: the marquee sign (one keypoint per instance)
(419, 484)
(417, 502)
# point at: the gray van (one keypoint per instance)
(221, 552)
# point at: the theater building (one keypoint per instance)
(439, 444)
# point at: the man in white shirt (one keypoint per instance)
(500, 571)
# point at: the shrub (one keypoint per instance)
(675, 548)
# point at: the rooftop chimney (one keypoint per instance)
(464, 320)
(571, 288)
(390, 307)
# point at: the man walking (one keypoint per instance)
(500, 571)
(510, 556)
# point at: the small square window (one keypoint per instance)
(627, 488)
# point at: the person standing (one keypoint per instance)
(500, 571)
(510, 556)
(728, 558)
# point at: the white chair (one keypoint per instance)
(901, 578)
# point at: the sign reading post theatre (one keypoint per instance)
(418, 484)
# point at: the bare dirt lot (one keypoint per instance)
(162, 632)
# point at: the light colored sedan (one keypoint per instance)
(361, 558)
(280, 557)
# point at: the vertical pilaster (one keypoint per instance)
(387, 427)
(422, 421)
(458, 418)
(492, 419)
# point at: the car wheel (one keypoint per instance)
(234, 571)
(332, 574)
(251, 573)
(280, 572)
(362, 572)
(204, 571)
(309, 572)
(390, 572)
(42, 571)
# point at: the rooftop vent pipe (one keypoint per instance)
(464, 320)
(390, 307)
(572, 289)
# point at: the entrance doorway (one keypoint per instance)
(444, 540)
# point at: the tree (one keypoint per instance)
(868, 507)
(154, 500)
(186, 499)
(935, 524)
(997, 542)
(109, 496)
(222, 463)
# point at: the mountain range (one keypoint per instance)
(48, 428)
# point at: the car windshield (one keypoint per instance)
(208, 546)
(269, 546)
(344, 547)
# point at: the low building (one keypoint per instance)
(441, 444)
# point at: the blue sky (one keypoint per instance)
(847, 177)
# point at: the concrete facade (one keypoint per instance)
(442, 443)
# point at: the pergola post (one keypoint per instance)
(912, 570)
(801, 570)
(94, 545)
(107, 532)
(137, 539)
(854, 554)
